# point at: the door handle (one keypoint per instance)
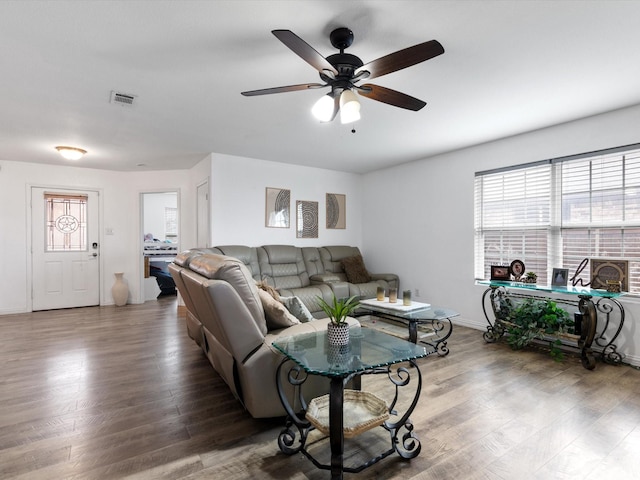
(94, 254)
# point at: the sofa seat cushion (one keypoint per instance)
(355, 270)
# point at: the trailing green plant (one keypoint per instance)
(339, 310)
(534, 319)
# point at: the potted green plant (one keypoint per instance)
(537, 319)
(531, 277)
(338, 311)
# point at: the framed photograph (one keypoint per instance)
(500, 272)
(517, 268)
(559, 277)
(336, 210)
(307, 219)
(614, 270)
(277, 205)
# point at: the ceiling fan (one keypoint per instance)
(342, 71)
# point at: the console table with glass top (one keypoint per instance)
(368, 352)
(602, 315)
(437, 318)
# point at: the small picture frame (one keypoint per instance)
(517, 268)
(500, 272)
(604, 270)
(559, 277)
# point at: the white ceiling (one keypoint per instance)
(508, 67)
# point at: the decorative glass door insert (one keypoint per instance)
(66, 222)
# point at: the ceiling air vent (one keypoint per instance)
(122, 99)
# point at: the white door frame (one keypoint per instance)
(29, 220)
(206, 227)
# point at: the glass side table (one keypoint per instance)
(435, 320)
(369, 352)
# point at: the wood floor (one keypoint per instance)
(122, 392)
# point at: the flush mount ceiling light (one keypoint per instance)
(342, 72)
(71, 153)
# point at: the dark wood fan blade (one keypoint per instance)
(304, 50)
(391, 97)
(288, 88)
(402, 59)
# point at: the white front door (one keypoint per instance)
(64, 248)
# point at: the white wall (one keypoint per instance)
(238, 202)
(120, 207)
(419, 217)
(154, 213)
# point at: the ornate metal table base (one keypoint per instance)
(440, 334)
(297, 427)
(602, 335)
(441, 328)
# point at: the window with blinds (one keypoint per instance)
(554, 214)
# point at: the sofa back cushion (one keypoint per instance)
(247, 255)
(234, 272)
(333, 255)
(282, 266)
(312, 261)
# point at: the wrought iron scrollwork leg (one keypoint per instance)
(606, 307)
(409, 446)
(296, 376)
(589, 321)
(495, 330)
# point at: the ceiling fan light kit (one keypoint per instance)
(323, 108)
(342, 71)
(349, 107)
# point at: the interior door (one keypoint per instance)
(64, 248)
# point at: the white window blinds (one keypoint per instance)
(556, 213)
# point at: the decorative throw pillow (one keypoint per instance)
(276, 314)
(269, 289)
(297, 309)
(355, 270)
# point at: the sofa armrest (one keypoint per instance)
(340, 289)
(324, 278)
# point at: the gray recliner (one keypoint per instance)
(233, 333)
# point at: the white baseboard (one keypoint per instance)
(467, 322)
(13, 311)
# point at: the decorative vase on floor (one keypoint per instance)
(120, 290)
(338, 334)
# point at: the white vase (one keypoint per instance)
(120, 290)
(338, 334)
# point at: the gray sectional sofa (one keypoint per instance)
(225, 316)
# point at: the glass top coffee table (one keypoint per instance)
(368, 352)
(427, 324)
